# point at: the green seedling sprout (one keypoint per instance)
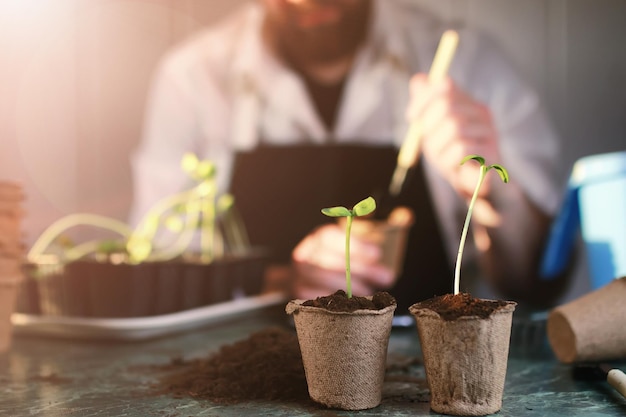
(139, 245)
(204, 173)
(504, 175)
(362, 208)
(180, 214)
(55, 230)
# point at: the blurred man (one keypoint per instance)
(322, 73)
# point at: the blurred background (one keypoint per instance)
(74, 76)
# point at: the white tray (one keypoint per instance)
(140, 328)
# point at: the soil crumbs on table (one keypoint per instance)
(451, 307)
(339, 301)
(265, 366)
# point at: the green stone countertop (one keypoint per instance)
(45, 376)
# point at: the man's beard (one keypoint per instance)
(301, 47)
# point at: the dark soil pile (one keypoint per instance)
(339, 301)
(265, 366)
(451, 307)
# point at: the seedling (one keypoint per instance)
(362, 208)
(504, 175)
(176, 216)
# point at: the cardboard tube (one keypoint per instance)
(590, 328)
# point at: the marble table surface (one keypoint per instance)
(52, 376)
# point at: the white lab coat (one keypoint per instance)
(222, 90)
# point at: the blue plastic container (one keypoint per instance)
(595, 206)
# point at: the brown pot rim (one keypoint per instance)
(295, 306)
(418, 311)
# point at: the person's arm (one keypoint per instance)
(508, 227)
(509, 233)
(319, 264)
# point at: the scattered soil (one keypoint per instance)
(339, 301)
(266, 366)
(451, 307)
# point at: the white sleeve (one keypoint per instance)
(170, 130)
(528, 141)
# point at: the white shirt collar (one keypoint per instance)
(387, 52)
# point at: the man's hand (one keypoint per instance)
(453, 125)
(319, 264)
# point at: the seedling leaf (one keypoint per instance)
(361, 208)
(205, 170)
(336, 211)
(502, 172)
(476, 158)
(504, 175)
(364, 207)
(190, 162)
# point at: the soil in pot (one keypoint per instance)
(451, 307)
(339, 301)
